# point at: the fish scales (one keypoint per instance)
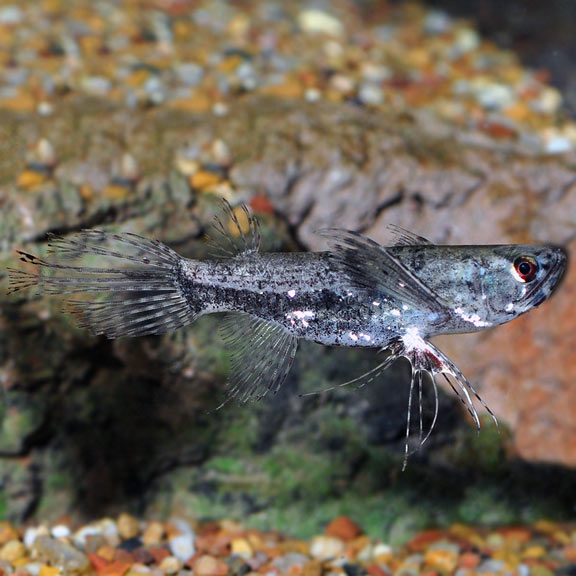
(301, 292)
(391, 297)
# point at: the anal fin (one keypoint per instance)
(261, 354)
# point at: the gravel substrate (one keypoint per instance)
(128, 546)
(206, 56)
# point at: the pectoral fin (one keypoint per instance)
(261, 354)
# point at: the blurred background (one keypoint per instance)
(451, 119)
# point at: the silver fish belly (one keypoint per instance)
(358, 293)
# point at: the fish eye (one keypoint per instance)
(526, 268)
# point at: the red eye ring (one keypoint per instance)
(526, 268)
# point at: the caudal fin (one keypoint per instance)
(116, 284)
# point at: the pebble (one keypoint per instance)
(326, 547)
(128, 526)
(227, 548)
(343, 528)
(170, 565)
(13, 550)
(318, 21)
(47, 571)
(60, 554)
(241, 547)
(153, 534)
(32, 533)
(60, 531)
(7, 532)
(207, 565)
(182, 546)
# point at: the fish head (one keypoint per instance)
(520, 277)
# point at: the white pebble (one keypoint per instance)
(371, 94)
(10, 15)
(182, 546)
(33, 568)
(467, 40)
(60, 531)
(494, 96)
(548, 102)
(312, 20)
(326, 547)
(220, 109)
(32, 533)
(558, 145)
(312, 95)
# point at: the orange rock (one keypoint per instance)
(261, 205)
(441, 559)
(344, 528)
(48, 571)
(123, 556)
(290, 88)
(469, 561)
(312, 568)
(98, 561)
(421, 541)
(569, 553)
(116, 192)
(375, 570)
(158, 554)
(203, 180)
(534, 552)
(209, 566)
(7, 532)
(114, 569)
(106, 552)
(30, 179)
(153, 533)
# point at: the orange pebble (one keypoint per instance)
(114, 569)
(209, 566)
(344, 528)
(30, 179)
(106, 552)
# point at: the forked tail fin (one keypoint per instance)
(117, 284)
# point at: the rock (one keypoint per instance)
(32, 533)
(48, 571)
(241, 547)
(326, 547)
(128, 526)
(105, 528)
(170, 565)
(60, 554)
(442, 556)
(60, 531)
(209, 566)
(7, 532)
(13, 550)
(343, 528)
(312, 20)
(182, 546)
(288, 563)
(153, 533)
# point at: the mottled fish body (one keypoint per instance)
(358, 293)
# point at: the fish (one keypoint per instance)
(358, 293)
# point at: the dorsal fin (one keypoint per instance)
(368, 265)
(401, 237)
(234, 232)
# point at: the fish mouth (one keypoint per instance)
(543, 289)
